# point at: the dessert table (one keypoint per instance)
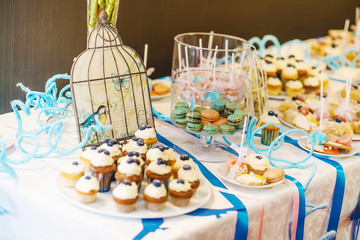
(35, 209)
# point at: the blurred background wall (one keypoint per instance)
(40, 38)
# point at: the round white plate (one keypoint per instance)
(281, 96)
(105, 204)
(8, 137)
(303, 144)
(166, 83)
(223, 172)
(356, 137)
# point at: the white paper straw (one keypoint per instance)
(357, 15)
(241, 61)
(210, 43)
(232, 67)
(201, 54)
(357, 34)
(242, 138)
(187, 63)
(226, 53)
(321, 84)
(179, 55)
(146, 54)
(346, 29)
(214, 62)
(322, 101)
(348, 89)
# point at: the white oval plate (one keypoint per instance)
(8, 137)
(303, 142)
(223, 171)
(105, 204)
(281, 96)
(165, 82)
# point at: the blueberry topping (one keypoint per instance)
(140, 142)
(87, 177)
(106, 152)
(110, 144)
(294, 98)
(184, 157)
(133, 153)
(161, 148)
(142, 128)
(93, 147)
(166, 148)
(148, 126)
(290, 65)
(75, 163)
(333, 45)
(137, 161)
(268, 62)
(100, 150)
(127, 182)
(130, 160)
(338, 120)
(160, 161)
(130, 154)
(186, 167)
(106, 140)
(180, 181)
(313, 67)
(280, 58)
(156, 183)
(355, 86)
(299, 107)
(291, 56)
(269, 55)
(271, 113)
(259, 157)
(275, 115)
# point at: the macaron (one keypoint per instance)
(231, 107)
(193, 127)
(210, 115)
(193, 116)
(274, 175)
(227, 129)
(220, 104)
(211, 129)
(181, 105)
(235, 120)
(220, 122)
(241, 112)
(180, 122)
(179, 113)
(199, 109)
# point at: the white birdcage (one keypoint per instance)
(109, 80)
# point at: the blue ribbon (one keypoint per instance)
(149, 225)
(355, 217)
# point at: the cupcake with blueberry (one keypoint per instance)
(155, 196)
(71, 173)
(189, 173)
(147, 133)
(293, 88)
(129, 170)
(159, 170)
(183, 160)
(102, 167)
(289, 72)
(270, 132)
(154, 153)
(86, 189)
(125, 196)
(136, 145)
(257, 163)
(113, 147)
(170, 156)
(87, 155)
(180, 192)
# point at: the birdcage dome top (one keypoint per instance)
(104, 36)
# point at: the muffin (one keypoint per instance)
(189, 173)
(129, 170)
(125, 196)
(301, 67)
(280, 64)
(180, 192)
(113, 147)
(154, 153)
(87, 155)
(169, 156)
(293, 88)
(159, 170)
(183, 160)
(155, 196)
(289, 72)
(257, 163)
(274, 86)
(102, 167)
(147, 133)
(311, 84)
(72, 173)
(136, 145)
(269, 133)
(269, 68)
(86, 189)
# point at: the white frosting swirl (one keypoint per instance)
(114, 150)
(147, 133)
(133, 146)
(280, 64)
(169, 154)
(124, 191)
(89, 153)
(312, 81)
(102, 160)
(155, 192)
(74, 169)
(86, 185)
(294, 84)
(269, 67)
(289, 71)
(154, 153)
(256, 163)
(125, 158)
(188, 175)
(180, 163)
(160, 169)
(266, 118)
(130, 169)
(179, 187)
(274, 81)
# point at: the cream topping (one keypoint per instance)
(169, 154)
(133, 146)
(76, 167)
(274, 81)
(257, 161)
(266, 118)
(147, 133)
(269, 67)
(114, 150)
(125, 158)
(160, 169)
(130, 169)
(302, 122)
(179, 187)
(294, 84)
(250, 179)
(312, 81)
(155, 192)
(280, 64)
(180, 163)
(188, 175)
(289, 71)
(89, 153)
(154, 153)
(87, 183)
(126, 191)
(101, 159)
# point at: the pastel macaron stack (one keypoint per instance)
(235, 120)
(230, 108)
(219, 105)
(227, 129)
(194, 121)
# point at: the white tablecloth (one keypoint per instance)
(36, 210)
